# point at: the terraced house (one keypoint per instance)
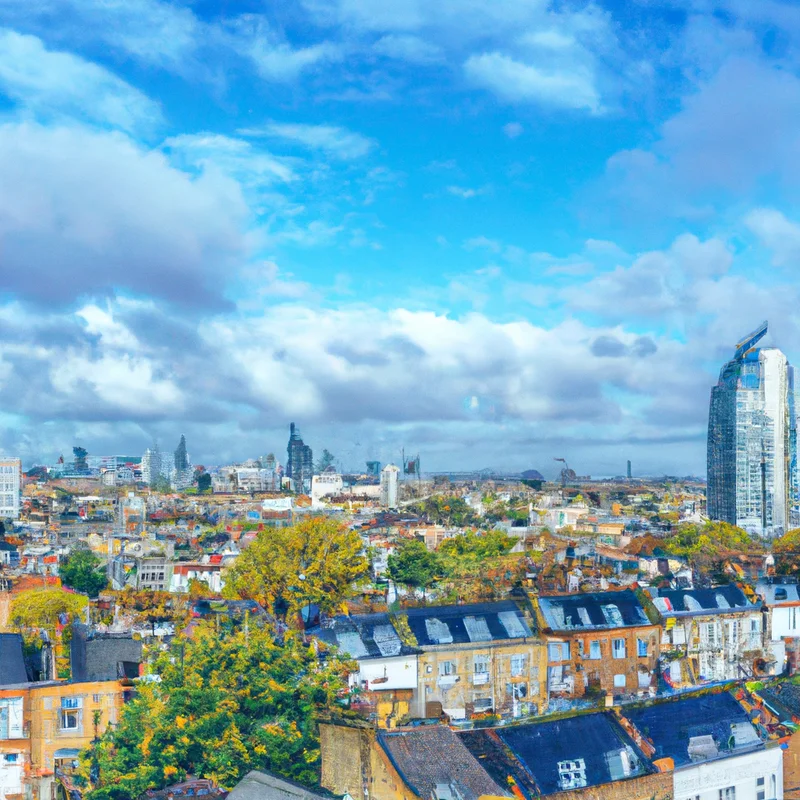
(600, 642)
(709, 635)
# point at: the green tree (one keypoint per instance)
(226, 702)
(711, 541)
(318, 560)
(44, 609)
(413, 565)
(203, 482)
(83, 572)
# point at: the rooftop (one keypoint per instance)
(696, 728)
(12, 661)
(572, 753)
(364, 636)
(258, 785)
(431, 756)
(686, 602)
(776, 593)
(477, 622)
(593, 611)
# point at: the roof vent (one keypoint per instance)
(702, 748)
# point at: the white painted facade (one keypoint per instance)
(12, 771)
(324, 485)
(390, 476)
(10, 487)
(742, 777)
(384, 674)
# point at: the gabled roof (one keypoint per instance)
(12, 661)
(593, 611)
(474, 623)
(433, 755)
(257, 785)
(688, 602)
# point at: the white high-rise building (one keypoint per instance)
(390, 475)
(10, 487)
(153, 465)
(752, 445)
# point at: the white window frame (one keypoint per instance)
(518, 664)
(595, 650)
(619, 648)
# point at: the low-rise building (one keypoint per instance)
(781, 598)
(184, 574)
(43, 727)
(709, 635)
(600, 641)
(476, 659)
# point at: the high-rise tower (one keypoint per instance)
(300, 461)
(752, 471)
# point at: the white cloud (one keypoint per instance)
(518, 82)
(465, 192)
(513, 130)
(84, 212)
(777, 233)
(57, 85)
(331, 139)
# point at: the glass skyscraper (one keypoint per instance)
(752, 447)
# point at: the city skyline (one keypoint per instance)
(499, 237)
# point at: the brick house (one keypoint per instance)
(599, 642)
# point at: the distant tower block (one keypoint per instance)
(629, 469)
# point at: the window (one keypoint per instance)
(447, 668)
(619, 681)
(580, 647)
(761, 792)
(618, 648)
(594, 650)
(709, 633)
(71, 713)
(11, 718)
(729, 793)
(95, 698)
(481, 665)
(518, 665)
(572, 774)
(641, 648)
(11, 758)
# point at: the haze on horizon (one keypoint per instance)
(489, 232)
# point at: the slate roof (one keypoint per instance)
(776, 594)
(103, 656)
(593, 611)
(688, 602)
(257, 785)
(783, 699)
(588, 746)
(364, 636)
(670, 726)
(12, 661)
(477, 622)
(434, 755)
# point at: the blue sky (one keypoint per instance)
(491, 232)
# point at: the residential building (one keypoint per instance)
(184, 574)
(713, 748)
(43, 727)
(325, 485)
(752, 448)
(474, 659)
(387, 677)
(300, 462)
(781, 598)
(10, 487)
(588, 756)
(154, 573)
(390, 476)
(599, 642)
(101, 656)
(709, 635)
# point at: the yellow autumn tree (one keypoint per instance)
(45, 609)
(318, 560)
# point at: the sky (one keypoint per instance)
(491, 232)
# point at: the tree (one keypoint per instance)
(203, 482)
(413, 565)
(46, 609)
(226, 702)
(326, 460)
(315, 561)
(83, 572)
(713, 540)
